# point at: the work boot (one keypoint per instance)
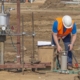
(70, 67)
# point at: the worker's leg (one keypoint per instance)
(69, 54)
(67, 41)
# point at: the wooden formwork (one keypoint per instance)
(46, 55)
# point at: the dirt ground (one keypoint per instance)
(35, 76)
(43, 20)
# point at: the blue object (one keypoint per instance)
(55, 30)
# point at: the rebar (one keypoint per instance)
(32, 37)
(22, 47)
(18, 31)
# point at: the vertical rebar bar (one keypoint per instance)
(18, 31)
(32, 36)
(22, 46)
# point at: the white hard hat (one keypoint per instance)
(67, 21)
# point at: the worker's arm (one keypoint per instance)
(55, 38)
(74, 34)
(73, 38)
(59, 49)
(55, 31)
(72, 41)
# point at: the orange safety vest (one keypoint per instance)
(60, 28)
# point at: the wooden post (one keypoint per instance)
(53, 66)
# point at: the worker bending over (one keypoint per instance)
(64, 28)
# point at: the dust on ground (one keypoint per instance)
(52, 4)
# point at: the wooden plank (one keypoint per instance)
(46, 55)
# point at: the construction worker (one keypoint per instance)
(64, 28)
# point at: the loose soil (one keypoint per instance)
(52, 4)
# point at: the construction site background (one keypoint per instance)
(44, 16)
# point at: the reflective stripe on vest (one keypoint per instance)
(60, 28)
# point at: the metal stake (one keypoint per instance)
(22, 47)
(32, 37)
(18, 31)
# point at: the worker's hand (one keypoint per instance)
(70, 47)
(59, 49)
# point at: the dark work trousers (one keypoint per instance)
(66, 41)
